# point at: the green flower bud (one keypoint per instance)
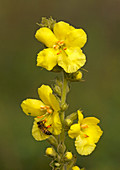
(61, 148)
(57, 90)
(70, 118)
(64, 107)
(50, 22)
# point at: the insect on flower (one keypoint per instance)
(43, 128)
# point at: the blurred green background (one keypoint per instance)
(98, 96)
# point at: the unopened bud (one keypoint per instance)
(50, 152)
(70, 118)
(79, 75)
(64, 107)
(57, 90)
(75, 168)
(68, 156)
(61, 148)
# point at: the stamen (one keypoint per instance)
(65, 48)
(84, 126)
(42, 107)
(59, 52)
(45, 120)
(60, 42)
(85, 135)
(47, 107)
(49, 111)
(55, 46)
(39, 116)
(48, 126)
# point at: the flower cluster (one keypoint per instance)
(63, 51)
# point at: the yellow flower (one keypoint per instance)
(64, 47)
(46, 121)
(86, 132)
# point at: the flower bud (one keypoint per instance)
(61, 148)
(75, 168)
(70, 118)
(57, 90)
(64, 107)
(78, 76)
(68, 156)
(50, 152)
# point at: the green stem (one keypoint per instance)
(62, 115)
(63, 97)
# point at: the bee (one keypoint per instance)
(43, 128)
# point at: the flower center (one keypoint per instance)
(60, 45)
(83, 127)
(47, 109)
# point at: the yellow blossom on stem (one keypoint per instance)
(64, 47)
(45, 111)
(86, 132)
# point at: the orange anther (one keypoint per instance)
(65, 48)
(47, 107)
(85, 135)
(39, 116)
(49, 110)
(56, 46)
(42, 107)
(48, 126)
(45, 120)
(59, 52)
(84, 126)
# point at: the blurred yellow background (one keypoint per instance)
(98, 96)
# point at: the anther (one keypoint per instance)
(84, 126)
(42, 107)
(47, 107)
(45, 120)
(49, 111)
(65, 48)
(39, 116)
(48, 126)
(56, 46)
(85, 135)
(59, 52)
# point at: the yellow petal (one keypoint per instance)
(94, 133)
(46, 36)
(56, 125)
(72, 59)
(83, 147)
(61, 29)
(91, 120)
(54, 103)
(44, 93)
(47, 58)
(76, 38)
(74, 131)
(37, 132)
(32, 107)
(80, 116)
